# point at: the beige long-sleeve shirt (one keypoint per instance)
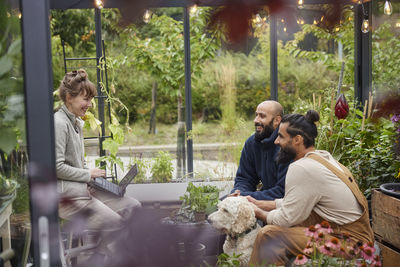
(311, 186)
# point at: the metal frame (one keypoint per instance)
(39, 104)
(362, 55)
(38, 83)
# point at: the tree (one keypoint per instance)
(163, 56)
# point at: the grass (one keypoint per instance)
(202, 133)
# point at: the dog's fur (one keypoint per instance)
(234, 217)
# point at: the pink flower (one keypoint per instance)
(377, 261)
(320, 235)
(325, 227)
(367, 252)
(342, 252)
(300, 259)
(334, 243)
(325, 250)
(361, 264)
(311, 231)
(353, 251)
(309, 249)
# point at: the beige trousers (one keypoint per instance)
(276, 244)
(103, 212)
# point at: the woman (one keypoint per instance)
(98, 210)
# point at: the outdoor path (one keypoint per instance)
(215, 151)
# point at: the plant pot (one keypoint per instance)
(391, 189)
(200, 216)
(191, 253)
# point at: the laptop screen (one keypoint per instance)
(129, 176)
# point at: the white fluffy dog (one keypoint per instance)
(236, 218)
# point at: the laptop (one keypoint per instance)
(117, 189)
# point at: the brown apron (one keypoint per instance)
(276, 244)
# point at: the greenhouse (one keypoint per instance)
(200, 133)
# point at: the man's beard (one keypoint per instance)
(286, 155)
(266, 131)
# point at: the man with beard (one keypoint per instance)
(318, 188)
(257, 161)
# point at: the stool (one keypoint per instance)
(75, 247)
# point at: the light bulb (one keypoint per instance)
(365, 25)
(300, 3)
(99, 4)
(193, 9)
(315, 21)
(147, 16)
(397, 25)
(300, 21)
(257, 20)
(388, 8)
(19, 15)
(284, 29)
(282, 20)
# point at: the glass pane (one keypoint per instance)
(14, 191)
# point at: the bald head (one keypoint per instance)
(268, 117)
(273, 107)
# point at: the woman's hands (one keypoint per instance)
(94, 173)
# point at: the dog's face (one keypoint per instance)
(234, 215)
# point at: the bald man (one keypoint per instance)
(258, 158)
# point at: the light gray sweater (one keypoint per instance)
(71, 170)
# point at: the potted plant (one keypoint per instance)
(7, 188)
(199, 200)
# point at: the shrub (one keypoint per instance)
(162, 168)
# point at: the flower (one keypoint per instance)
(300, 259)
(335, 251)
(367, 252)
(324, 227)
(377, 261)
(334, 243)
(309, 249)
(324, 249)
(311, 231)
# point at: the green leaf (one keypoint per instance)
(111, 146)
(5, 64)
(8, 140)
(15, 48)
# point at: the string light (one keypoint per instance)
(315, 21)
(282, 20)
(365, 24)
(147, 16)
(99, 4)
(300, 3)
(193, 9)
(397, 25)
(258, 20)
(284, 29)
(387, 9)
(19, 15)
(300, 20)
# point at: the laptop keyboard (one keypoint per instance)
(107, 185)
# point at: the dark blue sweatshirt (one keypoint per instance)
(257, 163)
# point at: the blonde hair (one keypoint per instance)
(75, 83)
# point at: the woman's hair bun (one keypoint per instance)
(312, 116)
(81, 75)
